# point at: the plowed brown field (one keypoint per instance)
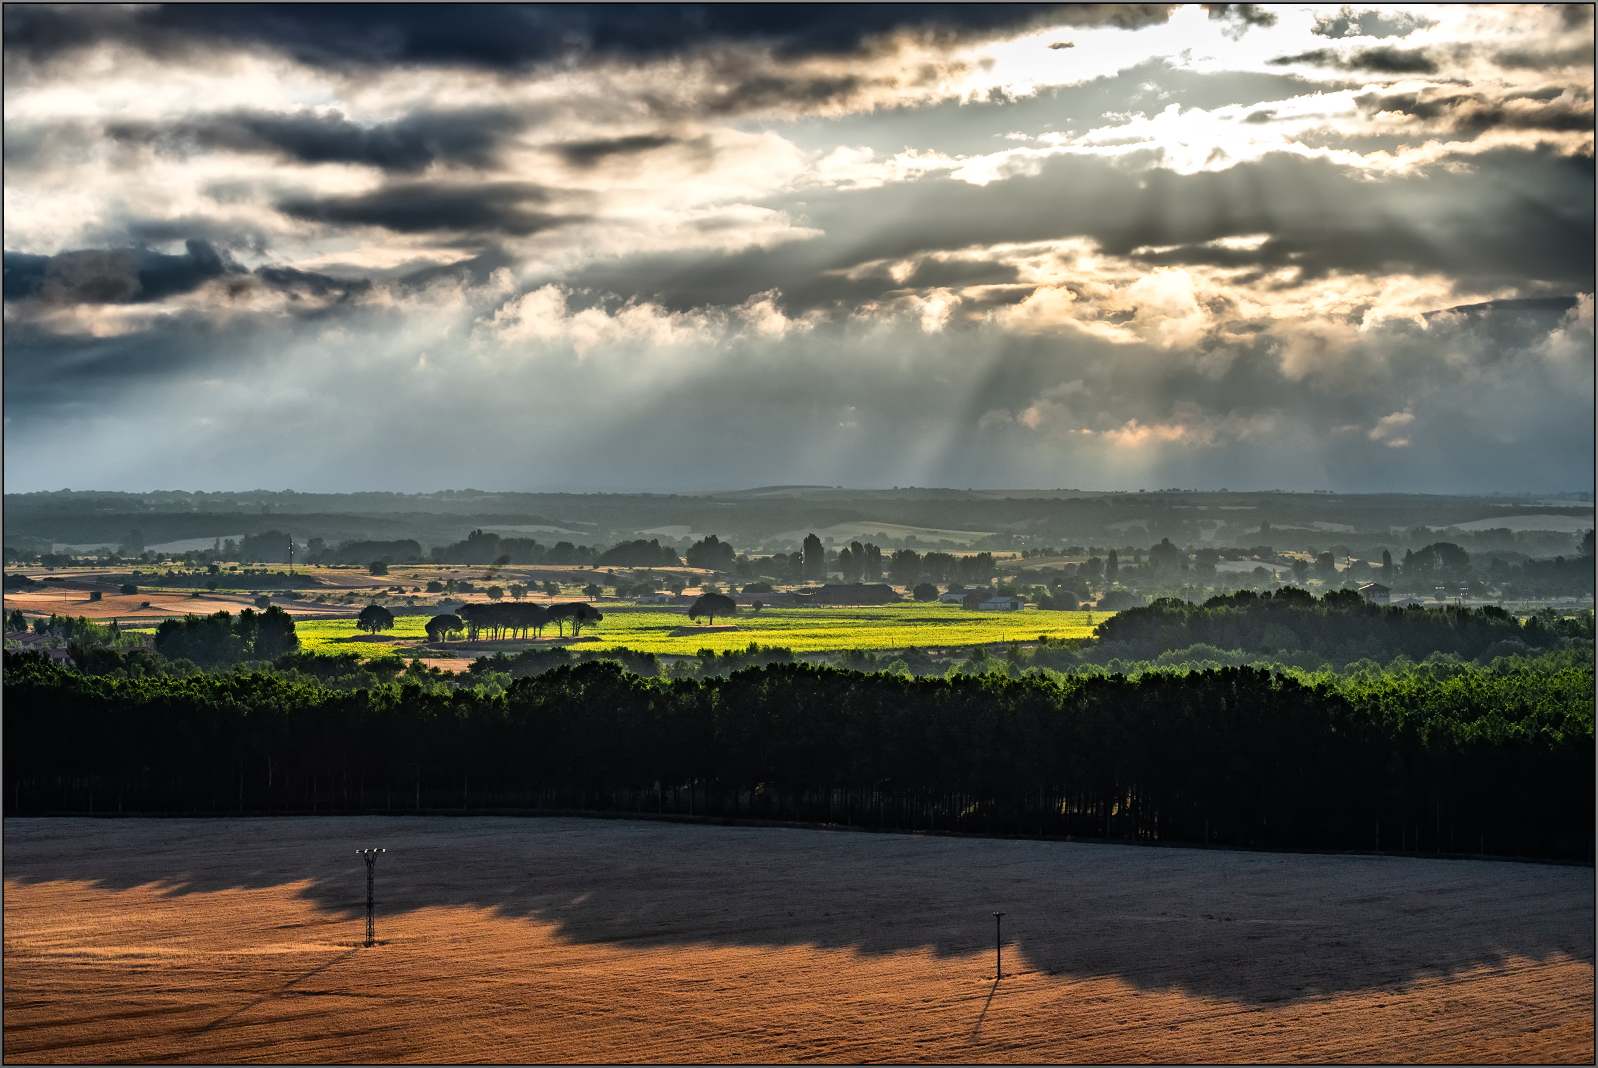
(129, 607)
(592, 940)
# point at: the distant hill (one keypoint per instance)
(755, 518)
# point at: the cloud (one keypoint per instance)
(1393, 430)
(871, 245)
(1368, 23)
(1133, 435)
(542, 316)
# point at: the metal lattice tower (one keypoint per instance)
(370, 856)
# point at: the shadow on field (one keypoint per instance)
(1255, 927)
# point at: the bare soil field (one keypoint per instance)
(552, 939)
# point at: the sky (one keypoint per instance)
(664, 248)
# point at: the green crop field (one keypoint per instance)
(804, 630)
(340, 635)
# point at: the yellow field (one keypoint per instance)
(650, 629)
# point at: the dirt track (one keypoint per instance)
(591, 940)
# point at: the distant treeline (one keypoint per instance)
(1500, 761)
(1342, 626)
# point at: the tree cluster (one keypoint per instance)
(711, 554)
(908, 567)
(480, 547)
(639, 553)
(219, 640)
(1341, 625)
(499, 621)
(860, 563)
(268, 547)
(405, 551)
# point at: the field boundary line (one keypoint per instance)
(744, 821)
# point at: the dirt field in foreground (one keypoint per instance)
(598, 941)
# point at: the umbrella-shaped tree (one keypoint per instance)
(373, 618)
(712, 605)
(442, 626)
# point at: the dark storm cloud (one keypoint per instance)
(298, 284)
(1575, 16)
(1385, 59)
(1551, 59)
(509, 37)
(113, 276)
(485, 208)
(1349, 23)
(468, 136)
(1469, 111)
(138, 276)
(141, 230)
(589, 153)
(754, 92)
(474, 271)
(1241, 16)
(1515, 217)
(1534, 309)
(62, 371)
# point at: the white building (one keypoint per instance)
(653, 598)
(1002, 604)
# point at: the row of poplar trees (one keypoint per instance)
(1235, 757)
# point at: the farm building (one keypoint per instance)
(653, 598)
(775, 598)
(22, 641)
(854, 593)
(957, 597)
(1376, 593)
(1001, 604)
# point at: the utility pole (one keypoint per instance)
(998, 946)
(370, 856)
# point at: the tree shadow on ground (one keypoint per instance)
(1252, 927)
